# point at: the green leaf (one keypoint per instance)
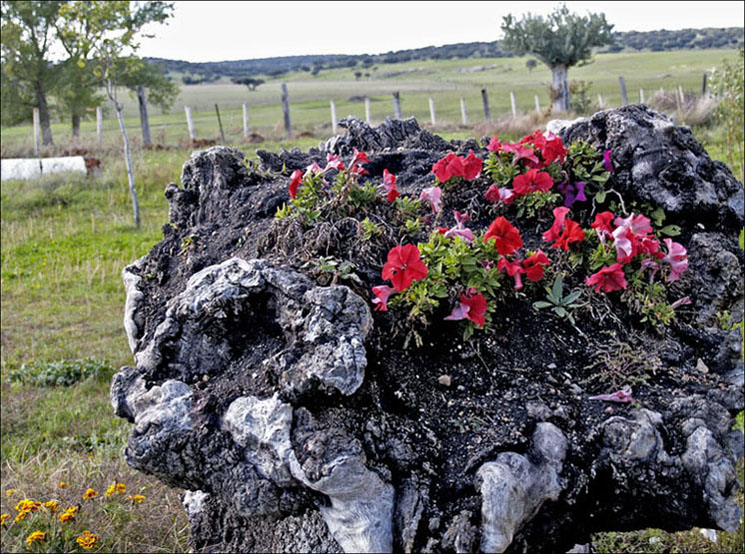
(600, 197)
(742, 238)
(556, 290)
(670, 230)
(561, 311)
(541, 304)
(571, 297)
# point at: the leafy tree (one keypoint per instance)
(250, 82)
(531, 64)
(109, 30)
(728, 86)
(560, 40)
(27, 30)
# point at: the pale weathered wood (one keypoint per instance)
(485, 100)
(144, 121)
(514, 105)
(37, 131)
(537, 103)
(286, 110)
(397, 105)
(219, 122)
(245, 121)
(99, 125)
(334, 121)
(190, 123)
(641, 96)
(463, 113)
(624, 96)
(368, 119)
(432, 115)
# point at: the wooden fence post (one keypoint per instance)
(704, 92)
(537, 103)
(397, 105)
(432, 115)
(624, 97)
(144, 121)
(601, 102)
(333, 116)
(681, 96)
(245, 121)
(514, 105)
(367, 110)
(219, 122)
(463, 114)
(286, 110)
(641, 96)
(485, 99)
(99, 125)
(37, 132)
(190, 123)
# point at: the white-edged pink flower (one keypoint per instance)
(382, 293)
(460, 229)
(333, 161)
(677, 258)
(433, 195)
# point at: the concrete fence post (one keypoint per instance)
(513, 103)
(246, 132)
(368, 118)
(537, 103)
(463, 113)
(99, 125)
(190, 123)
(432, 115)
(334, 123)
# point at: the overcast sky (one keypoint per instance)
(217, 31)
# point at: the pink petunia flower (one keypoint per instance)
(619, 396)
(514, 269)
(333, 161)
(460, 229)
(608, 279)
(433, 195)
(389, 184)
(472, 307)
(494, 193)
(382, 293)
(677, 258)
(607, 162)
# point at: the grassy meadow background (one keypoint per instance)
(65, 240)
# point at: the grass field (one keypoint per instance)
(444, 80)
(65, 240)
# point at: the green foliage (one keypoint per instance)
(329, 270)
(585, 164)
(310, 194)
(561, 305)
(728, 85)
(365, 195)
(369, 229)
(60, 373)
(580, 96)
(500, 168)
(536, 203)
(561, 38)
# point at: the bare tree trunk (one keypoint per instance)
(46, 128)
(144, 121)
(560, 89)
(75, 127)
(127, 155)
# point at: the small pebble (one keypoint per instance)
(444, 380)
(609, 410)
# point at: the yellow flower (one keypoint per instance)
(20, 517)
(62, 484)
(69, 514)
(138, 498)
(90, 493)
(27, 505)
(11, 492)
(35, 536)
(3, 517)
(121, 488)
(51, 505)
(87, 540)
(109, 492)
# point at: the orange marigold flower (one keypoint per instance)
(90, 493)
(62, 484)
(27, 505)
(11, 492)
(35, 536)
(137, 498)
(51, 505)
(121, 488)
(3, 517)
(69, 514)
(87, 540)
(21, 516)
(109, 492)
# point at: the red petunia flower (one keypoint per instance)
(472, 307)
(404, 265)
(560, 215)
(602, 224)
(382, 293)
(296, 179)
(494, 144)
(472, 166)
(521, 152)
(502, 194)
(608, 279)
(532, 180)
(572, 233)
(389, 184)
(449, 166)
(534, 266)
(506, 237)
(333, 161)
(514, 269)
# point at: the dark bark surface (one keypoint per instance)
(297, 421)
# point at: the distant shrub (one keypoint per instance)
(60, 372)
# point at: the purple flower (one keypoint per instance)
(573, 192)
(607, 163)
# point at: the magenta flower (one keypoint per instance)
(381, 297)
(607, 162)
(460, 229)
(472, 306)
(677, 257)
(573, 192)
(433, 195)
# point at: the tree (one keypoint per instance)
(250, 82)
(110, 29)
(561, 40)
(27, 32)
(531, 64)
